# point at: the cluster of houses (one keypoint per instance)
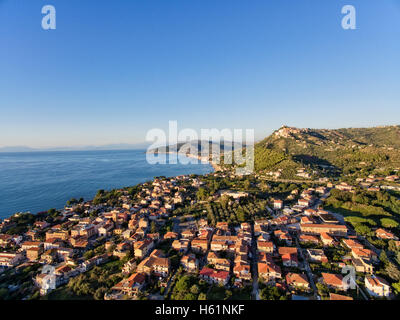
(307, 232)
(277, 250)
(63, 243)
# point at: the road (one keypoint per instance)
(292, 181)
(253, 265)
(308, 269)
(168, 287)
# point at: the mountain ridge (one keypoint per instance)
(342, 151)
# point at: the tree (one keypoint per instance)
(241, 215)
(202, 194)
(153, 227)
(228, 294)
(189, 296)
(383, 257)
(72, 201)
(363, 229)
(396, 287)
(3, 293)
(99, 293)
(202, 296)
(392, 246)
(322, 289)
(389, 223)
(183, 284)
(195, 289)
(392, 271)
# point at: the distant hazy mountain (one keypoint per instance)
(16, 149)
(121, 146)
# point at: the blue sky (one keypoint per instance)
(112, 70)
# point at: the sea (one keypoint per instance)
(38, 181)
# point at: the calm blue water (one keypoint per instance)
(38, 181)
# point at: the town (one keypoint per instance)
(213, 237)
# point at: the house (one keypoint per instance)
(283, 236)
(181, 245)
(190, 263)
(222, 264)
(41, 224)
(30, 244)
(171, 236)
(155, 264)
(122, 250)
(188, 234)
(10, 259)
(57, 234)
(326, 239)
(242, 270)
(278, 204)
(352, 244)
(335, 296)
(362, 265)
(221, 243)
(106, 229)
(298, 281)
(95, 261)
(383, 234)
(334, 281)
(234, 194)
(49, 256)
(33, 254)
(199, 245)
(377, 286)
(289, 256)
(304, 202)
(129, 266)
(364, 254)
(142, 248)
(307, 238)
(131, 285)
(343, 186)
(316, 228)
(317, 255)
(51, 244)
(5, 240)
(269, 271)
(306, 219)
(265, 246)
(161, 266)
(214, 276)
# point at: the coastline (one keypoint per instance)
(51, 197)
(214, 165)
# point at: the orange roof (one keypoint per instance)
(323, 226)
(287, 250)
(265, 244)
(296, 278)
(268, 268)
(376, 281)
(352, 243)
(335, 296)
(332, 279)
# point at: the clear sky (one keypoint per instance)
(112, 70)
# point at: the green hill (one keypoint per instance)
(330, 152)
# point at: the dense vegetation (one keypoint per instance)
(365, 209)
(345, 151)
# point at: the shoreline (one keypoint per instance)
(202, 160)
(214, 165)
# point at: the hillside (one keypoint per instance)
(330, 152)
